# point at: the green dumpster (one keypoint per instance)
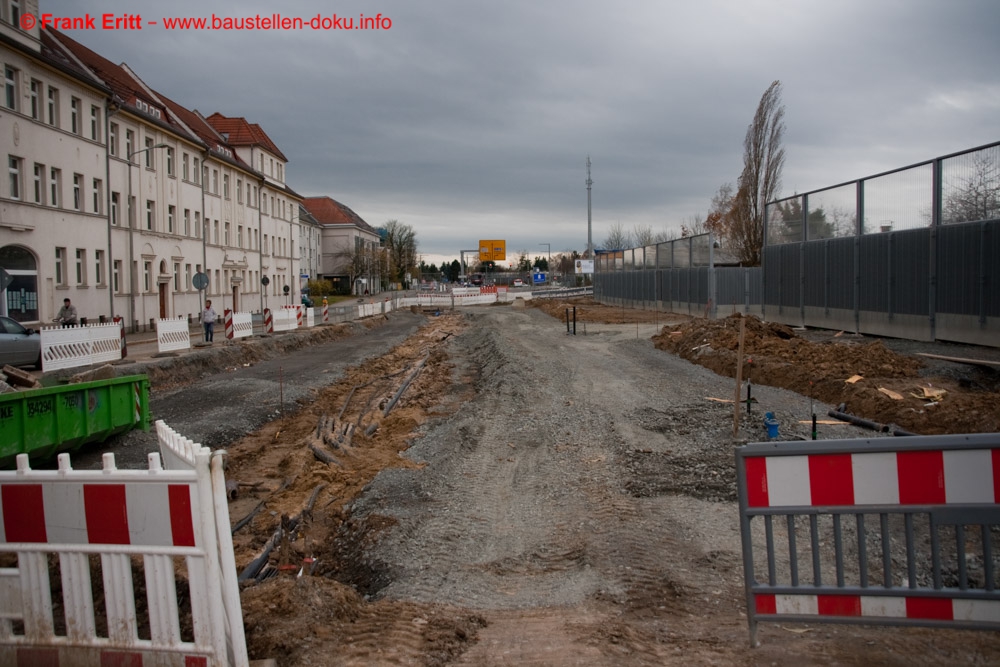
(48, 421)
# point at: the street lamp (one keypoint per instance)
(132, 269)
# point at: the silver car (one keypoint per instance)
(19, 346)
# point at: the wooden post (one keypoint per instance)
(739, 378)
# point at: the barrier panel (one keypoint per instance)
(120, 321)
(285, 319)
(894, 531)
(242, 325)
(173, 334)
(71, 347)
(268, 321)
(310, 317)
(326, 314)
(165, 523)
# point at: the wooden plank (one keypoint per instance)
(960, 360)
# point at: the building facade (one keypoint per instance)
(352, 256)
(117, 197)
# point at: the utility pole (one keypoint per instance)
(590, 242)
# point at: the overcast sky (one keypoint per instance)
(472, 120)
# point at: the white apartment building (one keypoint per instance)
(349, 247)
(117, 197)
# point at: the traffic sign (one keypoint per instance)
(492, 250)
(200, 281)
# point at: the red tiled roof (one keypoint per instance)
(116, 77)
(329, 211)
(239, 132)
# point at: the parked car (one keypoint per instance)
(19, 346)
(306, 301)
(518, 282)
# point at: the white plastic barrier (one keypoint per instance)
(173, 334)
(285, 319)
(80, 346)
(310, 318)
(157, 517)
(242, 325)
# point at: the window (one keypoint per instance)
(197, 224)
(55, 187)
(239, 191)
(216, 227)
(253, 202)
(150, 213)
(14, 168)
(177, 277)
(116, 272)
(114, 208)
(263, 248)
(74, 115)
(15, 13)
(132, 220)
(39, 183)
(204, 175)
(147, 277)
(60, 266)
(197, 171)
(187, 222)
(170, 162)
(215, 181)
(81, 261)
(239, 236)
(171, 211)
(113, 139)
(98, 195)
(36, 103)
(95, 123)
(149, 153)
(184, 166)
(99, 268)
(10, 77)
(187, 277)
(129, 143)
(77, 191)
(53, 106)
(227, 234)
(225, 186)
(263, 205)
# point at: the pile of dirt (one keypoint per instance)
(588, 310)
(892, 389)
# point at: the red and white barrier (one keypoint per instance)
(880, 607)
(326, 313)
(80, 346)
(268, 321)
(159, 515)
(121, 323)
(173, 334)
(285, 319)
(227, 317)
(928, 477)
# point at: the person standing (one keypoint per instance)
(208, 320)
(67, 314)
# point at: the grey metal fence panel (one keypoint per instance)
(910, 271)
(873, 274)
(959, 289)
(814, 279)
(892, 531)
(840, 273)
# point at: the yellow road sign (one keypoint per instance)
(492, 251)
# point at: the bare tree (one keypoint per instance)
(642, 235)
(618, 237)
(976, 196)
(760, 182)
(401, 248)
(665, 235)
(361, 261)
(693, 226)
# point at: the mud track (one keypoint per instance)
(533, 499)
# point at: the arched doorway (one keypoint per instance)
(19, 298)
(163, 281)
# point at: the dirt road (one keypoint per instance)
(534, 499)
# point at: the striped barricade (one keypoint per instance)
(173, 334)
(242, 325)
(153, 517)
(326, 313)
(268, 321)
(120, 321)
(71, 347)
(894, 531)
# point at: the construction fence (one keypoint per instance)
(911, 253)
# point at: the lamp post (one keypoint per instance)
(133, 272)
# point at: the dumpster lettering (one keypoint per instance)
(42, 407)
(6, 412)
(72, 401)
